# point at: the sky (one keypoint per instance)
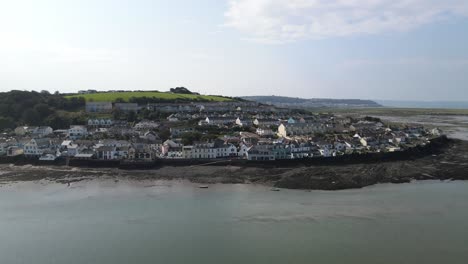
(368, 49)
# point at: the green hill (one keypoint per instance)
(158, 96)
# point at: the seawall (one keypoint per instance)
(436, 146)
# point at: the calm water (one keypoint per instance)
(106, 222)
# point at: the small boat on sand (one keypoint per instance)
(275, 189)
(203, 186)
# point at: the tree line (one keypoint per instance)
(38, 108)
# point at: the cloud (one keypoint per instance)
(412, 62)
(280, 21)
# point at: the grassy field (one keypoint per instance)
(404, 112)
(111, 97)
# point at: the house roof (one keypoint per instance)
(41, 142)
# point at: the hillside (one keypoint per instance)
(148, 95)
(36, 109)
(283, 101)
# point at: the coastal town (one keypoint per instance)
(209, 130)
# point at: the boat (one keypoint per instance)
(275, 189)
(203, 186)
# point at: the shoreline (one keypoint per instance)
(451, 163)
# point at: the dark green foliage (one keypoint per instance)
(372, 119)
(43, 110)
(181, 90)
(33, 108)
(190, 137)
(117, 114)
(6, 123)
(58, 122)
(131, 116)
(164, 134)
(154, 100)
(31, 117)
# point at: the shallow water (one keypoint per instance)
(108, 222)
(453, 126)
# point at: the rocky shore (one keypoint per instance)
(450, 164)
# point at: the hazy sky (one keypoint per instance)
(376, 49)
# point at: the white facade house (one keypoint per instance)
(100, 122)
(36, 146)
(203, 151)
(226, 150)
(301, 129)
(77, 132)
(243, 151)
(42, 131)
(241, 122)
(261, 152)
(340, 146)
(175, 153)
(219, 120)
(209, 151)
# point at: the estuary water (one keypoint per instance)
(177, 222)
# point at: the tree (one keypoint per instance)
(164, 134)
(6, 123)
(43, 110)
(181, 90)
(145, 113)
(31, 117)
(131, 116)
(189, 137)
(117, 114)
(57, 122)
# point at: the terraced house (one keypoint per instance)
(301, 129)
(36, 147)
(98, 107)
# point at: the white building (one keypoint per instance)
(301, 129)
(100, 122)
(77, 132)
(203, 151)
(42, 131)
(261, 152)
(36, 146)
(243, 151)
